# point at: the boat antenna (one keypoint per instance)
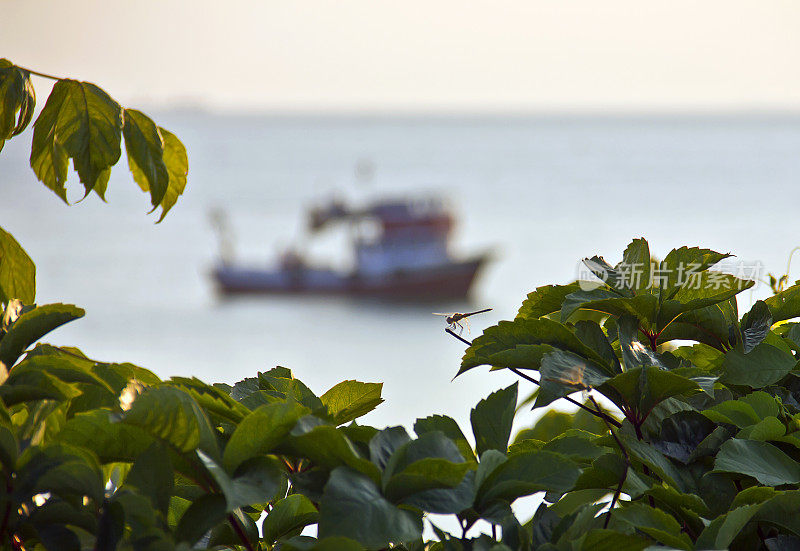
(219, 221)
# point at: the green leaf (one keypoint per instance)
(564, 373)
(173, 416)
(383, 445)
(592, 335)
(280, 382)
(30, 385)
(426, 474)
(646, 387)
(655, 523)
(642, 307)
(508, 335)
(145, 149)
(152, 476)
(17, 100)
(526, 473)
(682, 433)
(755, 325)
(288, 517)
(724, 529)
(747, 410)
(177, 164)
(349, 400)
(111, 441)
(333, 543)
(655, 460)
(785, 305)
(492, 419)
(17, 271)
(761, 460)
(62, 470)
(611, 540)
(636, 263)
(261, 431)
(545, 300)
(325, 446)
(202, 515)
(450, 428)
(763, 366)
(32, 326)
(255, 482)
(677, 269)
(713, 325)
(353, 507)
(79, 121)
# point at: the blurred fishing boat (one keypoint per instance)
(401, 250)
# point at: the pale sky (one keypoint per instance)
(418, 55)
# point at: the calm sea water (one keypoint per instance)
(541, 192)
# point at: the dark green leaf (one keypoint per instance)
(679, 266)
(201, 516)
(152, 476)
(111, 441)
(611, 540)
(492, 419)
(385, 443)
(655, 523)
(526, 473)
(763, 366)
(755, 325)
(256, 481)
(288, 517)
(646, 387)
(450, 429)
(353, 507)
(326, 446)
(564, 373)
(507, 335)
(761, 460)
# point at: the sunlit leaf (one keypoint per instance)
(17, 271)
(79, 121)
(145, 149)
(17, 100)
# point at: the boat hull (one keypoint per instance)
(450, 280)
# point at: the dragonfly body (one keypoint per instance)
(453, 319)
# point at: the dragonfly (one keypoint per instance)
(453, 319)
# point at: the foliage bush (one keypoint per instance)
(696, 444)
(701, 449)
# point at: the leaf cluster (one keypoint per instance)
(696, 445)
(699, 444)
(81, 122)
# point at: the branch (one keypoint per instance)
(600, 414)
(624, 476)
(38, 74)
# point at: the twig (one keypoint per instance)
(530, 379)
(239, 532)
(38, 74)
(624, 473)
